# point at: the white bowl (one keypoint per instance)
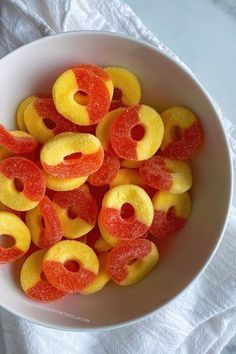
(33, 69)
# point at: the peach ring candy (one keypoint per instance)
(43, 121)
(127, 90)
(70, 281)
(127, 176)
(102, 278)
(95, 240)
(17, 142)
(44, 224)
(78, 79)
(69, 155)
(132, 260)
(104, 127)
(20, 112)
(63, 184)
(11, 225)
(115, 223)
(183, 134)
(166, 174)
(171, 212)
(106, 172)
(82, 97)
(22, 183)
(77, 211)
(34, 285)
(136, 134)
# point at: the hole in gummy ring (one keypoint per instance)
(19, 185)
(49, 123)
(43, 277)
(72, 266)
(73, 157)
(131, 261)
(117, 94)
(127, 211)
(7, 241)
(82, 98)
(72, 212)
(137, 132)
(178, 133)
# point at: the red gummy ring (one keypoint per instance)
(77, 211)
(17, 142)
(25, 173)
(44, 224)
(136, 134)
(141, 251)
(106, 172)
(34, 286)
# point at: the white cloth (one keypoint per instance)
(203, 318)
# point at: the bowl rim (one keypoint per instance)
(187, 71)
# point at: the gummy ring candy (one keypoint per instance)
(102, 278)
(136, 134)
(17, 142)
(126, 85)
(95, 240)
(20, 112)
(113, 226)
(77, 211)
(79, 79)
(63, 184)
(106, 172)
(22, 183)
(104, 127)
(69, 155)
(54, 266)
(142, 252)
(44, 224)
(130, 163)
(183, 133)
(43, 121)
(166, 175)
(13, 226)
(33, 284)
(81, 97)
(171, 212)
(127, 176)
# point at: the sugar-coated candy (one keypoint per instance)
(171, 212)
(127, 90)
(114, 225)
(36, 287)
(54, 266)
(77, 211)
(43, 121)
(44, 224)
(63, 184)
(95, 240)
(127, 176)
(104, 127)
(102, 278)
(106, 172)
(136, 134)
(17, 142)
(21, 110)
(69, 155)
(166, 174)
(12, 225)
(22, 183)
(79, 79)
(141, 252)
(183, 134)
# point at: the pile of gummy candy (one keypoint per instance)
(91, 181)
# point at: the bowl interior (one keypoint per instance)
(33, 69)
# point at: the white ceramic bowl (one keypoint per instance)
(33, 69)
